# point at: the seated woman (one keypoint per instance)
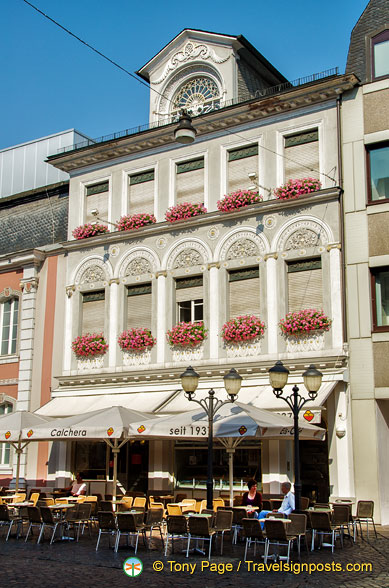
(252, 497)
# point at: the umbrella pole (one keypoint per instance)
(231, 452)
(19, 450)
(115, 451)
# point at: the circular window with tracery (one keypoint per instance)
(197, 96)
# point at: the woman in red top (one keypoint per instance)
(252, 497)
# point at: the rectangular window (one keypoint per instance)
(190, 181)
(97, 199)
(378, 172)
(189, 299)
(9, 326)
(139, 306)
(93, 311)
(305, 285)
(301, 152)
(141, 193)
(5, 448)
(240, 163)
(380, 296)
(244, 292)
(380, 45)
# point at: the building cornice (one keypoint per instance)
(225, 119)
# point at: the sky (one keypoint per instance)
(51, 82)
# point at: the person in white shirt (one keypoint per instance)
(78, 487)
(287, 506)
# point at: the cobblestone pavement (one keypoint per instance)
(68, 564)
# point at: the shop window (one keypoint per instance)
(380, 298)
(9, 312)
(240, 163)
(302, 155)
(243, 292)
(139, 306)
(141, 193)
(93, 311)
(97, 199)
(190, 181)
(5, 448)
(305, 285)
(189, 299)
(378, 172)
(380, 55)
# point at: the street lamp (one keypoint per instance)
(211, 405)
(185, 133)
(278, 376)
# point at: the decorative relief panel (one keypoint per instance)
(187, 258)
(190, 52)
(241, 245)
(303, 233)
(187, 254)
(137, 263)
(9, 293)
(92, 271)
(138, 266)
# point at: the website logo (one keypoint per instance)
(133, 567)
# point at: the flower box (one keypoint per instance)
(136, 340)
(184, 211)
(89, 230)
(242, 328)
(311, 341)
(244, 348)
(87, 364)
(135, 221)
(238, 199)
(89, 346)
(187, 334)
(188, 354)
(295, 188)
(304, 321)
(136, 358)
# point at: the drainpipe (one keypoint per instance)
(341, 214)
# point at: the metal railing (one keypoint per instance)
(286, 86)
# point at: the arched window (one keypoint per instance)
(5, 448)
(197, 96)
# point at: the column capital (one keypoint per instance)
(161, 274)
(114, 281)
(334, 246)
(29, 285)
(215, 264)
(270, 256)
(70, 290)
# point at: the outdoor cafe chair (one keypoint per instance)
(222, 524)
(298, 528)
(364, 514)
(218, 502)
(45, 502)
(199, 528)
(19, 497)
(34, 519)
(128, 525)
(173, 509)
(154, 520)
(202, 506)
(83, 518)
(34, 498)
(106, 505)
(238, 514)
(48, 521)
(8, 520)
(341, 518)
(188, 505)
(321, 526)
(253, 532)
(176, 528)
(139, 502)
(107, 526)
(276, 535)
(304, 503)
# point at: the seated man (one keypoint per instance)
(78, 487)
(286, 507)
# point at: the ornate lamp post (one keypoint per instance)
(232, 384)
(278, 376)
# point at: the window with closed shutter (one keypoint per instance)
(189, 299)
(305, 285)
(93, 311)
(190, 181)
(141, 193)
(244, 292)
(139, 306)
(97, 198)
(241, 162)
(302, 156)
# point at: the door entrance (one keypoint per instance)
(314, 472)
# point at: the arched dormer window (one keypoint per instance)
(197, 96)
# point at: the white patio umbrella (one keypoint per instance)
(234, 421)
(11, 427)
(111, 425)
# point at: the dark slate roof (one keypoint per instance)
(373, 18)
(34, 219)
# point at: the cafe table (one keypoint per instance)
(61, 509)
